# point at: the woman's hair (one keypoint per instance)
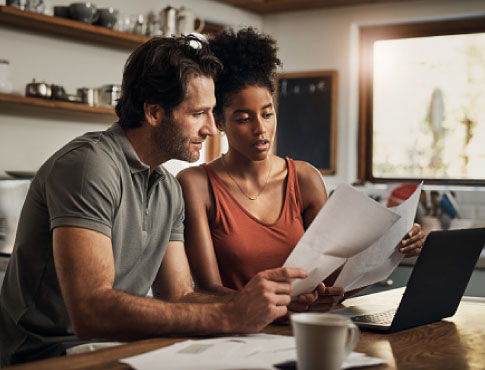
(158, 72)
(249, 59)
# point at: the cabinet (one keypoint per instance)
(61, 27)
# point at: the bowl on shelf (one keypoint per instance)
(62, 11)
(107, 17)
(84, 12)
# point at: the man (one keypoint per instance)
(103, 221)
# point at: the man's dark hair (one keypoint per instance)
(249, 59)
(158, 72)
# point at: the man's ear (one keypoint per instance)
(154, 113)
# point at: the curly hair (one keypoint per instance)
(158, 72)
(249, 59)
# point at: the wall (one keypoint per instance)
(308, 40)
(28, 139)
(328, 39)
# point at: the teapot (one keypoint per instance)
(186, 21)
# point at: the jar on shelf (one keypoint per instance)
(5, 81)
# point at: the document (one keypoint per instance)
(349, 222)
(378, 261)
(257, 351)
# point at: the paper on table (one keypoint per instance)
(377, 262)
(257, 351)
(349, 222)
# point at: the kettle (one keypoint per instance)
(168, 21)
(186, 21)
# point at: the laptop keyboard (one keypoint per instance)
(381, 318)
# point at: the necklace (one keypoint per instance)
(240, 189)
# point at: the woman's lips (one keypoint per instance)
(261, 145)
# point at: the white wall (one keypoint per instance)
(308, 40)
(328, 39)
(27, 139)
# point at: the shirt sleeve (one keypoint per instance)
(177, 232)
(82, 190)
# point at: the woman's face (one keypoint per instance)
(249, 122)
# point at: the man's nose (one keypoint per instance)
(209, 127)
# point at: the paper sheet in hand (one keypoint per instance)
(349, 222)
(376, 263)
(258, 351)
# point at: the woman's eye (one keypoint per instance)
(243, 120)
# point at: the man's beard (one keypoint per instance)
(169, 138)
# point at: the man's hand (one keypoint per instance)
(413, 242)
(263, 299)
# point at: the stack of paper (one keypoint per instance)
(258, 351)
(353, 229)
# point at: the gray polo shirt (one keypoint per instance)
(95, 182)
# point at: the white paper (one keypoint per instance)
(377, 262)
(349, 222)
(258, 351)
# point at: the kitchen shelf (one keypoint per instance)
(25, 103)
(77, 30)
(69, 28)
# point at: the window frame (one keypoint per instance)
(368, 35)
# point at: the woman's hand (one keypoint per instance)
(322, 299)
(328, 298)
(413, 242)
(303, 302)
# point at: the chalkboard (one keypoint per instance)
(306, 107)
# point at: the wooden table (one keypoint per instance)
(455, 343)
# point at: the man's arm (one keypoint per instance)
(84, 264)
(173, 282)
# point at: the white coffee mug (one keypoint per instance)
(323, 340)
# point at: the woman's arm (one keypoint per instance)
(198, 240)
(314, 195)
(312, 189)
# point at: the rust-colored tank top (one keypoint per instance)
(243, 244)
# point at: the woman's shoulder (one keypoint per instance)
(307, 172)
(197, 177)
(195, 173)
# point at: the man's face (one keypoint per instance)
(181, 136)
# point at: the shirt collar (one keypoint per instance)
(136, 165)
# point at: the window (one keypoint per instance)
(422, 102)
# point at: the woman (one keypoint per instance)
(246, 210)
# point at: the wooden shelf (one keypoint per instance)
(22, 103)
(69, 28)
(77, 30)
(63, 27)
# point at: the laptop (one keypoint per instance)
(435, 287)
